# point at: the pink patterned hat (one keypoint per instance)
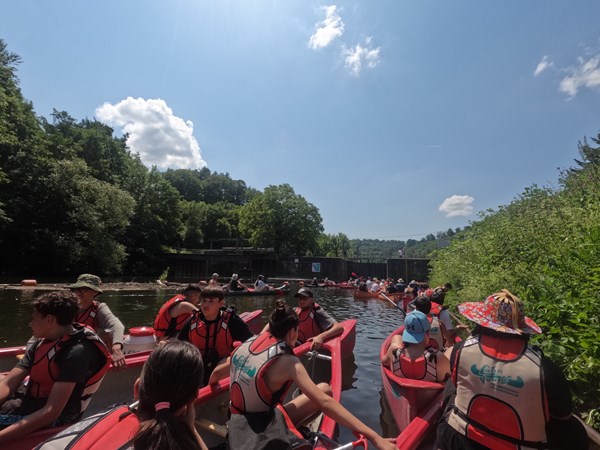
(502, 312)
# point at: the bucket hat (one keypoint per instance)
(89, 281)
(416, 326)
(502, 312)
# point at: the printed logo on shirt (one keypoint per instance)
(489, 374)
(239, 363)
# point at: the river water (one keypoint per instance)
(375, 320)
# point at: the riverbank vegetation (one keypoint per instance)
(544, 247)
(73, 196)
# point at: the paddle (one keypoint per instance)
(392, 302)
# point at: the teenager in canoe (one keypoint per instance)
(98, 315)
(65, 364)
(175, 312)
(504, 392)
(263, 370)
(213, 330)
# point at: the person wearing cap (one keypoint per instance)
(98, 315)
(175, 312)
(235, 284)
(503, 392)
(213, 329)
(410, 355)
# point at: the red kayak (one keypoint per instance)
(113, 429)
(414, 404)
(117, 385)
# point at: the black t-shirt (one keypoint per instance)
(78, 360)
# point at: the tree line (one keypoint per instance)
(73, 196)
(545, 247)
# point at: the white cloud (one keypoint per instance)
(585, 74)
(160, 137)
(544, 64)
(457, 205)
(328, 29)
(359, 57)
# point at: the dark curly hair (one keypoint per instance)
(63, 305)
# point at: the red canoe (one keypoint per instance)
(117, 385)
(113, 429)
(415, 405)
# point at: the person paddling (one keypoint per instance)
(262, 371)
(98, 315)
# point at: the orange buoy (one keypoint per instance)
(28, 283)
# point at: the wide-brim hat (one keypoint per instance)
(501, 312)
(89, 281)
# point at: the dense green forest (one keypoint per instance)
(544, 247)
(73, 197)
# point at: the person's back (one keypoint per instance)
(413, 358)
(504, 392)
(262, 372)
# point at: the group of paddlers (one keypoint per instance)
(501, 391)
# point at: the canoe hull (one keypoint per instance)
(414, 404)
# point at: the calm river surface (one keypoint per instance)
(375, 320)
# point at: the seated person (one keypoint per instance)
(411, 357)
(315, 324)
(504, 394)
(213, 330)
(65, 364)
(98, 315)
(437, 335)
(264, 368)
(260, 285)
(173, 314)
(235, 284)
(214, 280)
(166, 410)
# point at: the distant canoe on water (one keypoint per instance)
(251, 292)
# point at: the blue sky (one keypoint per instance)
(395, 118)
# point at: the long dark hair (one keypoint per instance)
(282, 320)
(173, 374)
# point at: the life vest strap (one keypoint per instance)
(512, 440)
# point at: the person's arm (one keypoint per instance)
(442, 367)
(396, 343)
(11, 381)
(189, 418)
(333, 408)
(182, 308)
(113, 326)
(221, 371)
(59, 395)
(327, 323)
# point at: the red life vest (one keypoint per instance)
(213, 339)
(45, 370)
(307, 326)
(247, 389)
(423, 368)
(164, 324)
(436, 309)
(88, 316)
(500, 396)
